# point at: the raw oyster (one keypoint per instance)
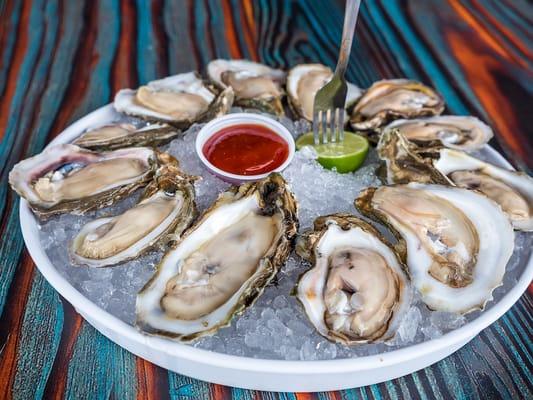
(458, 241)
(304, 81)
(166, 208)
(405, 162)
(67, 178)
(456, 132)
(179, 100)
(255, 85)
(391, 99)
(119, 135)
(512, 190)
(223, 262)
(356, 291)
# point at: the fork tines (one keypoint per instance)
(332, 117)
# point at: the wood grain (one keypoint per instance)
(60, 59)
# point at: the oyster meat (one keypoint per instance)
(392, 99)
(223, 262)
(179, 100)
(356, 291)
(304, 81)
(255, 85)
(67, 178)
(118, 135)
(166, 208)
(456, 132)
(458, 241)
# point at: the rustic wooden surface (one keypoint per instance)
(60, 60)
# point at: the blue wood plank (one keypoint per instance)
(99, 368)
(146, 52)
(41, 330)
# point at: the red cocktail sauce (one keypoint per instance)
(246, 149)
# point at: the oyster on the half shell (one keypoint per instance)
(118, 135)
(164, 211)
(67, 178)
(405, 162)
(179, 100)
(356, 290)
(255, 85)
(223, 262)
(392, 99)
(458, 242)
(512, 190)
(456, 132)
(304, 81)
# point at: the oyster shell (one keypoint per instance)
(166, 207)
(458, 241)
(223, 262)
(456, 132)
(405, 162)
(179, 100)
(356, 291)
(120, 135)
(304, 81)
(392, 99)
(67, 178)
(255, 85)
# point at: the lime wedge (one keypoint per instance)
(345, 157)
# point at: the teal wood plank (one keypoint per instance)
(9, 32)
(182, 54)
(11, 136)
(41, 329)
(106, 44)
(100, 369)
(146, 52)
(184, 388)
(215, 24)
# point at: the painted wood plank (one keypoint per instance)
(41, 329)
(106, 44)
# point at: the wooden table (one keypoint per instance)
(60, 60)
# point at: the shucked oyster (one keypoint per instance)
(458, 241)
(391, 99)
(406, 162)
(304, 81)
(456, 132)
(512, 190)
(166, 207)
(67, 178)
(179, 100)
(223, 262)
(255, 85)
(119, 135)
(356, 291)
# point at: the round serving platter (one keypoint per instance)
(254, 373)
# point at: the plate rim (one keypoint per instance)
(85, 306)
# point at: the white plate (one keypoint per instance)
(250, 373)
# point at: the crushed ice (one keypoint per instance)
(275, 327)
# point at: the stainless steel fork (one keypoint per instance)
(328, 108)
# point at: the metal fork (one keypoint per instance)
(328, 108)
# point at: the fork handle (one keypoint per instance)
(350, 18)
